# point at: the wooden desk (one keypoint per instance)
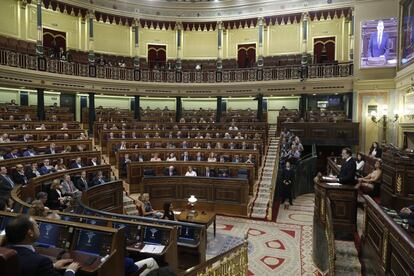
(201, 217)
(386, 247)
(397, 189)
(344, 206)
(325, 133)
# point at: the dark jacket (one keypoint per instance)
(34, 264)
(5, 187)
(20, 178)
(82, 184)
(378, 153)
(347, 174)
(53, 201)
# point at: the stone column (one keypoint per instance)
(304, 61)
(351, 35)
(40, 104)
(91, 47)
(39, 42)
(218, 111)
(179, 43)
(135, 28)
(178, 109)
(137, 110)
(219, 45)
(260, 107)
(91, 112)
(261, 35)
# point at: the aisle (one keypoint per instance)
(275, 248)
(261, 205)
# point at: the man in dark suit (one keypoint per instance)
(210, 172)
(93, 162)
(82, 182)
(6, 183)
(19, 177)
(77, 164)
(13, 154)
(347, 173)
(170, 171)
(51, 149)
(378, 42)
(29, 152)
(185, 156)
(98, 180)
(21, 234)
(46, 168)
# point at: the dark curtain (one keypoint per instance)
(324, 49)
(246, 55)
(157, 56)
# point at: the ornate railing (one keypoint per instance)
(230, 263)
(291, 72)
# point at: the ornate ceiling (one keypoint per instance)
(207, 10)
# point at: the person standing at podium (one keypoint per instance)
(347, 173)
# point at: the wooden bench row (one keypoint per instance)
(136, 171)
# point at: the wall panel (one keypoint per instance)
(200, 45)
(284, 39)
(112, 38)
(9, 18)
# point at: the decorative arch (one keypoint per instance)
(246, 55)
(324, 49)
(54, 40)
(157, 56)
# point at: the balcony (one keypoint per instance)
(275, 73)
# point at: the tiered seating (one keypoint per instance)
(16, 45)
(285, 60)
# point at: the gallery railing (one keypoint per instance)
(290, 72)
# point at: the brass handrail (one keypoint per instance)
(233, 262)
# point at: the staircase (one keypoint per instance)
(261, 204)
(347, 261)
(129, 206)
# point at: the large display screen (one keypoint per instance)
(379, 43)
(407, 32)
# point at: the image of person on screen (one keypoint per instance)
(378, 42)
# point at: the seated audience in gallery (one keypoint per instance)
(13, 154)
(171, 157)
(367, 183)
(93, 162)
(155, 158)
(77, 164)
(185, 156)
(375, 150)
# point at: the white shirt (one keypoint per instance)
(172, 159)
(360, 165)
(192, 173)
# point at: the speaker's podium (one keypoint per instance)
(343, 199)
(397, 187)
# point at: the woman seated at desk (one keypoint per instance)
(368, 182)
(360, 163)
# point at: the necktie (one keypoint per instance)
(9, 180)
(379, 39)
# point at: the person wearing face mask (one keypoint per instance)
(288, 177)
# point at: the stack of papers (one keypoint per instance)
(152, 248)
(334, 184)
